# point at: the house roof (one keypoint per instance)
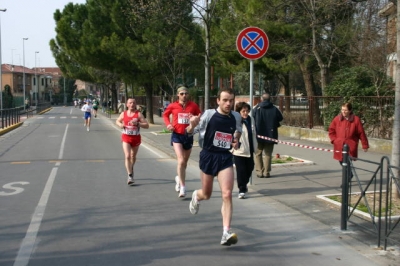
(8, 68)
(53, 71)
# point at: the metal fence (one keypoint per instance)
(373, 187)
(12, 116)
(9, 117)
(315, 112)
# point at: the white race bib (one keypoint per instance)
(131, 130)
(183, 118)
(222, 140)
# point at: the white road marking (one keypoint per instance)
(10, 186)
(28, 243)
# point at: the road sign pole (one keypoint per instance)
(251, 82)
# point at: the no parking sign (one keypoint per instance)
(252, 43)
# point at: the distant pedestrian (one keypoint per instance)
(219, 131)
(104, 106)
(346, 128)
(131, 121)
(121, 107)
(244, 155)
(181, 111)
(95, 107)
(267, 119)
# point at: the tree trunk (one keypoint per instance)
(149, 103)
(114, 98)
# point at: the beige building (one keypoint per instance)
(42, 80)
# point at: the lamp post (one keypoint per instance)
(36, 83)
(23, 67)
(65, 98)
(1, 74)
(12, 56)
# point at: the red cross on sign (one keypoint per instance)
(252, 43)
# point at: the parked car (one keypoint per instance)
(302, 100)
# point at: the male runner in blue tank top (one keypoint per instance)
(219, 131)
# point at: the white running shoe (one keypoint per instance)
(242, 196)
(130, 180)
(182, 192)
(229, 238)
(87, 129)
(177, 184)
(194, 205)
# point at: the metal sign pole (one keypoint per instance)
(251, 83)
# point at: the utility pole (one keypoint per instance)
(1, 74)
(36, 82)
(23, 68)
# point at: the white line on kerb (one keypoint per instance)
(28, 243)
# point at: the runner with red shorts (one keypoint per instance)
(131, 121)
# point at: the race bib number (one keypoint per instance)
(131, 130)
(222, 140)
(183, 118)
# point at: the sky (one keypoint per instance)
(32, 19)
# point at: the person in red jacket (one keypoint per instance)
(346, 128)
(181, 111)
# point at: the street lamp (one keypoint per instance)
(23, 67)
(65, 98)
(36, 82)
(1, 74)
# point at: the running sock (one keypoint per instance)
(226, 229)
(131, 175)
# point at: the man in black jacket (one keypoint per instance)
(267, 118)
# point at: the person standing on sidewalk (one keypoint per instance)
(346, 128)
(131, 121)
(87, 108)
(267, 118)
(243, 156)
(219, 131)
(181, 111)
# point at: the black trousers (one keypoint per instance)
(244, 169)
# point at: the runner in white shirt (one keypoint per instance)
(87, 108)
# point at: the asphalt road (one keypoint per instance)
(64, 201)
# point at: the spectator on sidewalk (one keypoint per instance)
(346, 128)
(181, 111)
(121, 107)
(244, 155)
(267, 119)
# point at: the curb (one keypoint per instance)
(10, 128)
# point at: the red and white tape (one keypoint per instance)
(295, 144)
